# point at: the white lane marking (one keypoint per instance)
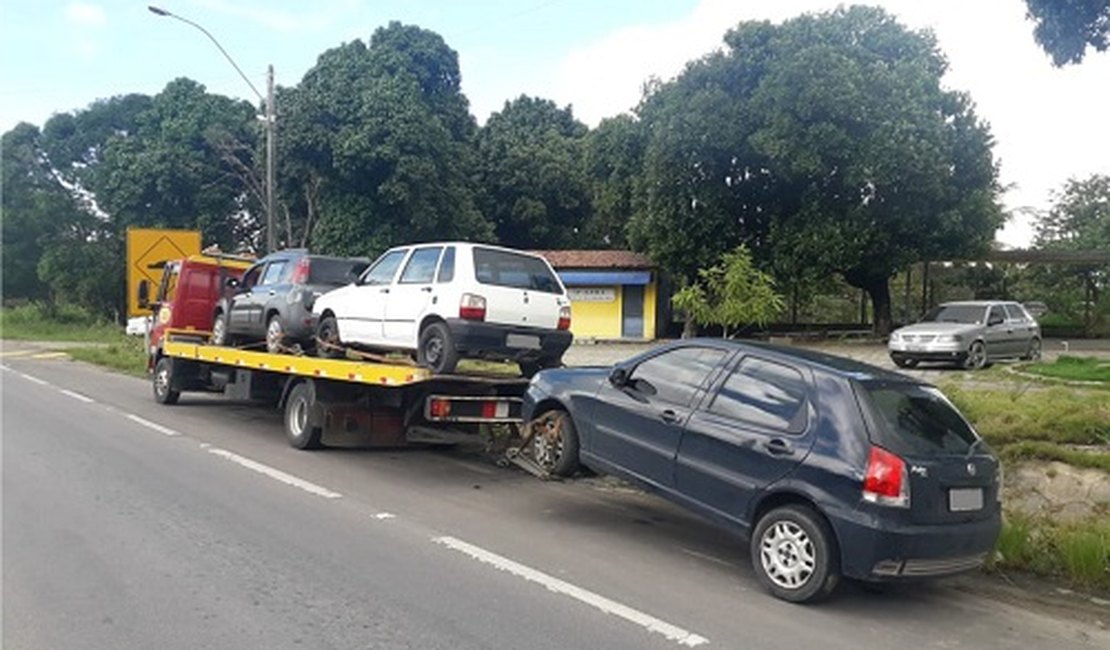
(153, 425)
(77, 396)
(385, 515)
(646, 621)
(35, 380)
(274, 473)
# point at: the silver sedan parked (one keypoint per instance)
(972, 334)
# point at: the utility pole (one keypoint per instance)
(271, 127)
(270, 117)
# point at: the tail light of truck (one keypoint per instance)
(472, 307)
(564, 317)
(887, 480)
(300, 272)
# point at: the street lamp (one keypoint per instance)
(271, 121)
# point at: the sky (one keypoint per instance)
(1050, 124)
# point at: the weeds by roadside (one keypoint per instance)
(1057, 415)
(126, 355)
(1077, 552)
(34, 322)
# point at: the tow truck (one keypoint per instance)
(371, 400)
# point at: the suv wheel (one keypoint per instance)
(220, 335)
(436, 349)
(794, 554)
(275, 335)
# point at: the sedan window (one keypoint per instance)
(956, 314)
(421, 267)
(384, 269)
(763, 393)
(676, 375)
(1016, 313)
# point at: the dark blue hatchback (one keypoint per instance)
(829, 466)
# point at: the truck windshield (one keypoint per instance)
(168, 286)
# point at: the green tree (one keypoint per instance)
(614, 161)
(730, 293)
(827, 145)
(384, 142)
(530, 174)
(1066, 28)
(1078, 220)
(36, 207)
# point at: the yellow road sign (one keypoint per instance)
(147, 251)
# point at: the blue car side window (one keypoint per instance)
(763, 393)
(675, 376)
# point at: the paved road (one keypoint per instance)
(131, 525)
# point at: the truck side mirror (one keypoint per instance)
(144, 294)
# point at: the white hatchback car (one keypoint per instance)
(452, 300)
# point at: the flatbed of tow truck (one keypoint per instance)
(346, 402)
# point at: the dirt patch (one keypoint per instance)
(1056, 490)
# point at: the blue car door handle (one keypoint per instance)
(778, 447)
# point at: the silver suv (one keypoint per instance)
(972, 334)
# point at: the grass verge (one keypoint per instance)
(1040, 450)
(1073, 368)
(1079, 553)
(1061, 415)
(124, 355)
(34, 322)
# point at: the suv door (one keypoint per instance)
(239, 303)
(755, 427)
(265, 291)
(637, 426)
(410, 295)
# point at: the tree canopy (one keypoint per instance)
(1066, 29)
(826, 142)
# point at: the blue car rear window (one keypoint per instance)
(917, 419)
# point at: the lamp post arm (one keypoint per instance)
(163, 12)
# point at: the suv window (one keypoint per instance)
(764, 393)
(384, 269)
(250, 278)
(331, 271)
(447, 266)
(676, 375)
(508, 269)
(273, 272)
(421, 267)
(916, 419)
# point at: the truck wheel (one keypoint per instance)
(327, 339)
(163, 382)
(300, 429)
(436, 349)
(794, 554)
(555, 443)
(275, 335)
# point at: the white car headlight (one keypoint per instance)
(895, 337)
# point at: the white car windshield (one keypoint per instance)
(955, 314)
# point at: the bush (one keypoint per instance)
(42, 322)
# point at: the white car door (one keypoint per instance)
(360, 309)
(410, 295)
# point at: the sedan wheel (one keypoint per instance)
(1034, 352)
(976, 356)
(555, 443)
(794, 554)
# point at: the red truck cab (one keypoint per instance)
(187, 294)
